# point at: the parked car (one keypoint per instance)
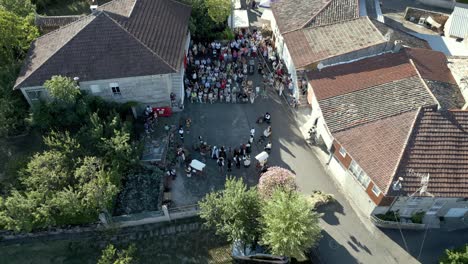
(242, 253)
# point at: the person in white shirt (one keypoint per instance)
(252, 131)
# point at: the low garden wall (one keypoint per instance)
(396, 225)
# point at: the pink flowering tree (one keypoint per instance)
(276, 178)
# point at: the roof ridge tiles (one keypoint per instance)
(93, 16)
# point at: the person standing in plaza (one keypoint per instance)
(181, 133)
(238, 161)
(229, 164)
(221, 164)
(252, 132)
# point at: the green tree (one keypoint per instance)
(233, 212)
(111, 255)
(21, 8)
(48, 171)
(97, 186)
(289, 226)
(218, 10)
(63, 142)
(455, 256)
(16, 35)
(63, 89)
(18, 211)
(201, 26)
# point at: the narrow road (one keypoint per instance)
(346, 238)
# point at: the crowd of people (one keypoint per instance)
(227, 157)
(219, 72)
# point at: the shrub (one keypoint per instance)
(455, 256)
(417, 217)
(389, 216)
(318, 198)
(276, 178)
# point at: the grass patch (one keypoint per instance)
(462, 1)
(70, 7)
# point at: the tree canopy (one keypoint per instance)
(219, 10)
(234, 211)
(80, 172)
(284, 222)
(63, 89)
(21, 8)
(16, 35)
(289, 226)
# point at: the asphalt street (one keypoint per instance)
(346, 238)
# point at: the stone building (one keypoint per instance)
(126, 50)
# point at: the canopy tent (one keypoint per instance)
(241, 19)
(266, 3)
(237, 4)
(267, 17)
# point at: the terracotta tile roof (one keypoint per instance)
(350, 77)
(295, 14)
(311, 45)
(374, 103)
(378, 146)
(431, 64)
(438, 146)
(142, 37)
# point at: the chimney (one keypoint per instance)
(397, 46)
(93, 8)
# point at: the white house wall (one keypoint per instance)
(322, 129)
(279, 41)
(178, 78)
(351, 187)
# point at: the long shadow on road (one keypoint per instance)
(335, 252)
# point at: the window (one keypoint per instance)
(34, 95)
(95, 88)
(376, 190)
(342, 151)
(115, 89)
(359, 174)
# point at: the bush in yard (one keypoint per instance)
(233, 212)
(417, 218)
(455, 256)
(276, 178)
(63, 89)
(289, 226)
(318, 198)
(112, 255)
(389, 216)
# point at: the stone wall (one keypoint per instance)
(151, 89)
(98, 233)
